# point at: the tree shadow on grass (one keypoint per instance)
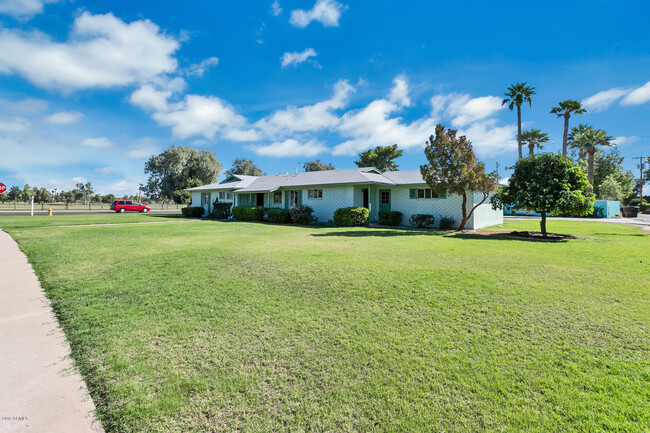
(375, 233)
(501, 236)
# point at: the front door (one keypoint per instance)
(365, 198)
(260, 199)
(384, 200)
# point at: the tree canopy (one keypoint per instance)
(317, 166)
(244, 167)
(610, 165)
(534, 138)
(549, 184)
(381, 157)
(453, 168)
(170, 170)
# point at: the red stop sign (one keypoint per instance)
(3, 188)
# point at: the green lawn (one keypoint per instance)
(194, 326)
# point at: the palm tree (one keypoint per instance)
(575, 132)
(564, 109)
(516, 95)
(534, 138)
(589, 140)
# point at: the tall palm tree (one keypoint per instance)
(534, 138)
(516, 95)
(575, 132)
(589, 140)
(564, 109)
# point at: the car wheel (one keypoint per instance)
(145, 210)
(122, 210)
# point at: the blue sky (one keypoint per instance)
(90, 89)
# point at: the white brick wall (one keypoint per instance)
(484, 215)
(334, 197)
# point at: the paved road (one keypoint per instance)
(642, 220)
(77, 212)
(40, 391)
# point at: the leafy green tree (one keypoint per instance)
(42, 195)
(610, 189)
(171, 169)
(534, 138)
(564, 109)
(27, 193)
(381, 157)
(4, 197)
(549, 184)
(68, 196)
(108, 198)
(185, 197)
(575, 132)
(15, 193)
(610, 164)
(516, 95)
(317, 166)
(244, 167)
(86, 190)
(589, 141)
(453, 168)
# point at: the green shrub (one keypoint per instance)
(247, 213)
(220, 210)
(279, 216)
(351, 216)
(447, 223)
(302, 214)
(192, 212)
(239, 213)
(421, 220)
(392, 218)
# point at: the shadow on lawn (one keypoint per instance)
(370, 232)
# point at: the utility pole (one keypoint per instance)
(641, 180)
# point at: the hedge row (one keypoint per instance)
(192, 212)
(392, 218)
(351, 216)
(296, 215)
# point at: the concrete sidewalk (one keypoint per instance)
(40, 390)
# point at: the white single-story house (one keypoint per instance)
(327, 191)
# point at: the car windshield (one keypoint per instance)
(113, 204)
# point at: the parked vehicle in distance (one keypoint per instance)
(129, 206)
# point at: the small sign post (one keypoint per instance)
(31, 202)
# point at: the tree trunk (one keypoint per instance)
(590, 172)
(464, 220)
(531, 147)
(519, 129)
(542, 224)
(565, 140)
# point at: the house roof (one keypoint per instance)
(364, 175)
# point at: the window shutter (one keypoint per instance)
(286, 199)
(299, 197)
(413, 193)
(442, 196)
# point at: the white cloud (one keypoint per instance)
(290, 148)
(204, 115)
(149, 98)
(307, 118)
(638, 96)
(23, 9)
(295, 58)
(399, 94)
(26, 106)
(327, 12)
(198, 69)
(64, 118)
(621, 140)
(106, 170)
(143, 149)
(463, 110)
(100, 142)
(13, 124)
(79, 179)
(489, 139)
(102, 51)
(275, 8)
(604, 99)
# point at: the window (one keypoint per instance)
(205, 199)
(277, 197)
(293, 198)
(422, 193)
(228, 196)
(315, 193)
(385, 197)
(222, 195)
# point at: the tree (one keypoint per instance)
(575, 132)
(185, 197)
(15, 193)
(453, 168)
(610, 189)
(4, 197)
(317, 166)
(589, 140)
(244, 167)
(86, 190)
(42, 195)
(170, 170)
(547, 183)
(108, 198)
(534, 138)
(68, 196)
(610, 164)
(27, 193)
(381, 157)
(516, 95)
(564, 109)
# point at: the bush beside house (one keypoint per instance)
(392, 218)
(192, 212)
(447, 223)
(279, 216)
(421, 220)
(302, 214)
(351, 216)
(220, 210)
(245, 213)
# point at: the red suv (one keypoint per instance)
(129, 206)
